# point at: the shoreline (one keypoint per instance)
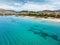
(37, 18)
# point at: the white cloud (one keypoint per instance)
(28, 6)
(51, 5)
(37, 7)
(9, 7)
(17, 4)
(55, 2)
(5, 6)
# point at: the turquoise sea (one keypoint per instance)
(26, 31)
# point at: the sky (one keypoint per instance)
(31, 5)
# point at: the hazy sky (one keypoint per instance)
(32, 5)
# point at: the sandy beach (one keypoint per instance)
(48, 19)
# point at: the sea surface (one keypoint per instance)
(25, 31)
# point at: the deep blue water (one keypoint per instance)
(24, 31)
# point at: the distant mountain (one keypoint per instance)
(25, 12)
(7, 12)
(50, 11)
(57, 10)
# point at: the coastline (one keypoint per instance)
(37, 18)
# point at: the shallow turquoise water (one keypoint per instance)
(24, 31)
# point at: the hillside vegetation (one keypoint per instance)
(44, 13)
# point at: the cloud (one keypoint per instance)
(9, 7)
(33, 6)
(5, 6)
(37, 7)
(49, 5)
(28, 6)
(55, 2)
(17, 4)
